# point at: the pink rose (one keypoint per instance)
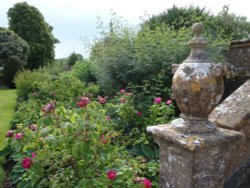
(33, 154)
(27, 162)
(104, 139)
(146, 182)
(48, 108)
(86, 100)
(122, 91)
(10, 134)
(122, 100)
(139, 114)
(102, 100)
(168, 102)
(158, 100)
(19, 136)
(111, 174)
(108, 117)
(33, 127)
(83, 102)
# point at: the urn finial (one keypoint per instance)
(196, 89)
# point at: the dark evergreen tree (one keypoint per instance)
(28, 22)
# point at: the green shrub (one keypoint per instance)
(11, 67)
(125, 56)
(85, 70)
(28, 82)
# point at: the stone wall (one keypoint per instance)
(239, 56)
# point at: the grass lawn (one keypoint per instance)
(7, 105)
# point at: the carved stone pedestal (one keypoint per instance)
(194, 160)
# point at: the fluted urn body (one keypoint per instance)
(198, 83)
(197, 88)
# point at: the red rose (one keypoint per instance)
(26, 163)
(111, 174)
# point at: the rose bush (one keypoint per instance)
(84, 139)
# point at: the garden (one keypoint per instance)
(82, 122)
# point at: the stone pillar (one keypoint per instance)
(194, 153)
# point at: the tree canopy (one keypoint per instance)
(229, 25)
(12, 45)
(28, 22)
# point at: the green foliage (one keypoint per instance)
(124, 56)
(27, 82)
(76, 145)
(12, 45)
(112, 56)
(225, 24)
(32, 27)
(237, 27)
(85, 71)
(177, 18)
(73, 58)
(11, 67)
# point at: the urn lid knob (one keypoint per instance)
(198, 41)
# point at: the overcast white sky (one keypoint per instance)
(76, 19)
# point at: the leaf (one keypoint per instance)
(148, 151)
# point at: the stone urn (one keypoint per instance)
(197, 86)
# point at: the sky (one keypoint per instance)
(75, 20)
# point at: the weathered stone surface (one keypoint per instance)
(194, 160)
(234, 112)
(239, 55)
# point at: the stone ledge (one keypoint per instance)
(194, 142)
(233, 113)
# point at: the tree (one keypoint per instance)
(227, 25)
(177, 18)
(28, 22)
(12, 45)
(73, 58)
